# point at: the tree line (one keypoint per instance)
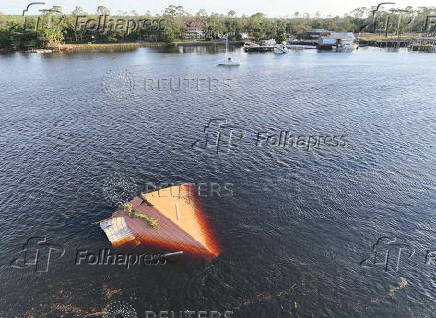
(52, 27)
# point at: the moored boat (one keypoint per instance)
(229, 62)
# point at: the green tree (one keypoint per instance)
(5, 38)
(171, 27)
(280, 34)
(300, 26)
(257, 26)
(50, 32)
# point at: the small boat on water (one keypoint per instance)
(229, 62)
(345, 47)
(280, 49)
(40, 51)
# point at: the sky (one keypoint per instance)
(272, 8)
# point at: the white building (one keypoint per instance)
(336, 38)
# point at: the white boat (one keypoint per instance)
(228, 61)
(345, 47)
(280, 49)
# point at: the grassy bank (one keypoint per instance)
(127, 46)
(86, 47)
(204, 43)
(380, 37)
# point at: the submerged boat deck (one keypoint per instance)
(181, 224)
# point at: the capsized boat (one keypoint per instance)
(280, 49)
(168, 219)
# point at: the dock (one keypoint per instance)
(254, 47)
(259, 48)
(424, 44)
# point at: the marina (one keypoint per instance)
(319, 39)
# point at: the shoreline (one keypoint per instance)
(128, 46)
(118, 46)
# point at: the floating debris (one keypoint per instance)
(392, 291)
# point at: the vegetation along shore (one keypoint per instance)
(79, 30)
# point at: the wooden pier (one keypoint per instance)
(253, 47)
(259, 48)
(424, 44)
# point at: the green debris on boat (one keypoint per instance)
(150, 221)
(133, 213)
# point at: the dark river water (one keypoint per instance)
(339, 222)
